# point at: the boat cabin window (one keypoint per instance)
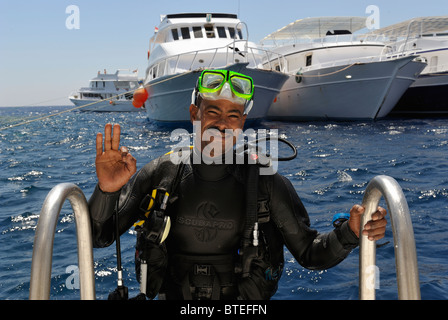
(240, 34)
(92, 95)
(197, 31)
(309, 60)
(337, 32)
(209, 32)
(221, 32)
(185, 33)
(122, 85)
(232, 33)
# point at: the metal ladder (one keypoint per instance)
(44, 238)
(404, 242)
(405, 252)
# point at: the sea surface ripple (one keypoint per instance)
(335, 162)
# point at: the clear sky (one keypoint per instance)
(42, 61)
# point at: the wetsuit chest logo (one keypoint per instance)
(206, 223)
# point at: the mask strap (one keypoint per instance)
(248, 106)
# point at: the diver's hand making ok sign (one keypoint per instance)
(114, 165)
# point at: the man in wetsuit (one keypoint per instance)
(205, 255)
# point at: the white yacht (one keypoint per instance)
(108, 92)
(427, 37)
(186, 43)
(337, 74)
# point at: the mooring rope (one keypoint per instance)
(89, 104)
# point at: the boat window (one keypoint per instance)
(93, 95)
(233, 35)
(309, 60)
(240, 34)
(185, 33)
(122, 85)
(232, 32)
(104, 84)
(221, 32)
(152, 73)
(175, 34)
(197, 31)
(209, 32)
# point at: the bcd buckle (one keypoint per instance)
(203, 269)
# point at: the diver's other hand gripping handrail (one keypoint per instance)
(44, 238)
(404, 242)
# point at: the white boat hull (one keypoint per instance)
(105, 106)
(170, 96)
(361, 91)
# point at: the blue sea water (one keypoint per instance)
(334, 165)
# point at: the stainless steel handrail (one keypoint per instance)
(44, 238)
(404, 242)
(169, 70)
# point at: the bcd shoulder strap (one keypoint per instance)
(168, 175)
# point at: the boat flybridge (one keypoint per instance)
(184, 44)
(108, 92)
(428, 38)
(337, 73)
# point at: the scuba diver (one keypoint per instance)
(208, 231)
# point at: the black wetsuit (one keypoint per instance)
(207, 226)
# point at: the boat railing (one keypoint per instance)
(193, 60)
(44, 238)
(90, 89)
(402, 38)
(350, 39)
(412, 34)
(343, 62)
(335, 41)
(404, 242)
(385, 55)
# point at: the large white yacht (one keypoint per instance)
(186, 43)
(337, 74)
(427, 37)
(108, 92)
